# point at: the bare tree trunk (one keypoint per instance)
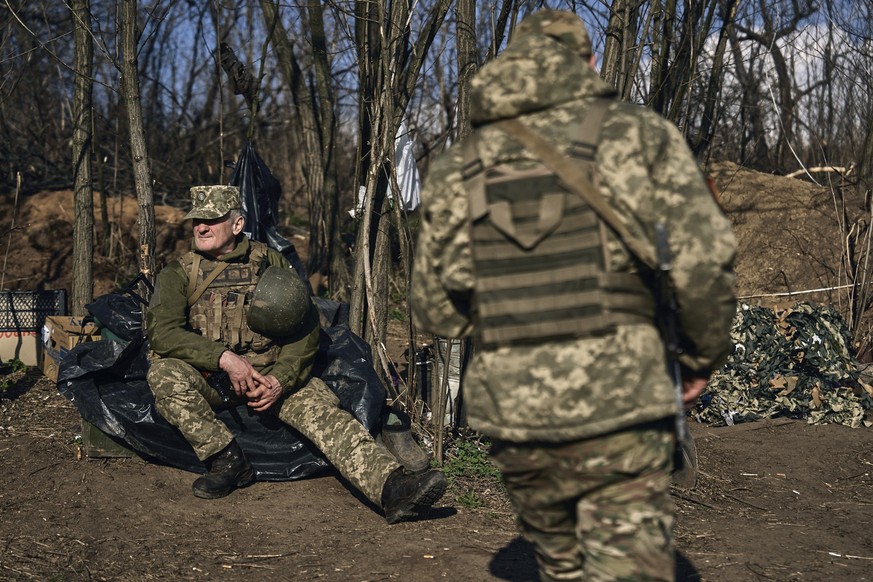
(467, 61)
(330, 255)
(316, 120)
(505, 19)
(621, 33)
(753, 146)
(708, 118)
(865, 163)
(694, 33)
(662, 41)
(767, 31)
(140, 159)
(389, 64)
(83, 227)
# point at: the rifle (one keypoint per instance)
(220, 381)
(685, 456)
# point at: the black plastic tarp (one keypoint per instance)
(105, 380)
(260, 192)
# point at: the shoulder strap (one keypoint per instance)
(575, 179)
(473, 173)
(195, 294)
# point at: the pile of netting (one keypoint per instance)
(795, 362)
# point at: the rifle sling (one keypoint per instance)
(194, 295)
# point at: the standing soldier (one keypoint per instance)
(538, 237)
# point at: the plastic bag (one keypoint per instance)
(260, 192)
(120, 314)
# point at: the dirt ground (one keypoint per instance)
(776, 500)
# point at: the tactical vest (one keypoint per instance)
(219, 294)
(538, 252)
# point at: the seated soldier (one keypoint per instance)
(208, 314)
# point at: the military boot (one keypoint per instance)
(406, 493)
(396, 435)
(229, 469)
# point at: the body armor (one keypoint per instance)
(219, 294)
(538, 255)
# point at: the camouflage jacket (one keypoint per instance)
(171, 335)
(585, 387)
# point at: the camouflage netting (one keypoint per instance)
(795, 362)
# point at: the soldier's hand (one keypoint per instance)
(243, 377)
(265, 394)
(692, 388)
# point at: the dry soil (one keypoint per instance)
(776, 500)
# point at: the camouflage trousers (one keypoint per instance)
(186, 400)
(597, 509)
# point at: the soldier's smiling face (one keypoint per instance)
(217, 237)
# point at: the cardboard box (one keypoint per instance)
(60, 334)
(19, 345)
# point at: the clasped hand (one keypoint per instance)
(261, 391)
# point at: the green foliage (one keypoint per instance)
(470, 459)
(397, 314)
(292, 220)
(10, 373)
(16, 366)
(475, 480)
(397, 295)
(469, 499)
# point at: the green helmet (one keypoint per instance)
(280, 303)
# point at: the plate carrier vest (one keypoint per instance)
(218, 297)
(538, 251)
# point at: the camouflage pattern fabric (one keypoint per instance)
(559, 25)
(788, 362)
(580, 388)
(592, 498)
(597, 509)
(314, 412)
(183, 397)
(170, 334)
(211, 202)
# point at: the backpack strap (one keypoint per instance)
(588, 133)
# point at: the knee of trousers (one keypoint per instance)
(312, 398)
(171, 379)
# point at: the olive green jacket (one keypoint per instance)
(576, 389)
(171, 336)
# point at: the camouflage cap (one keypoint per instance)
(565, 27)
(210, 202)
